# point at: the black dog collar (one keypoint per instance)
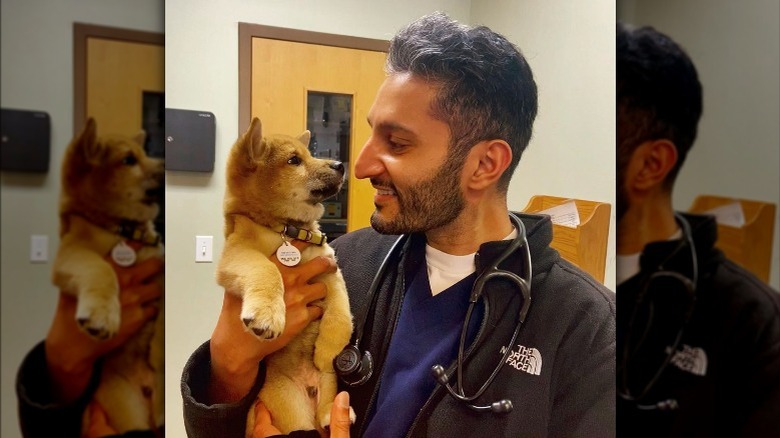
(137, 231)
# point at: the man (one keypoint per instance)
(449, 125)
(698, 336)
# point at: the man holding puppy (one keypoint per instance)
(449, 125)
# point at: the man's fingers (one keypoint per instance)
(141, 294)
(305, 294)
(263, 425)
(315, 313)
(135, 318)
(98, 424)
(315, 267)
(262, 415)
(339, 416)
(141, 272)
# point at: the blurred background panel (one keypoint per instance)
(38, 64)
(736, 49)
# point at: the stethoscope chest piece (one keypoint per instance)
(353, 367)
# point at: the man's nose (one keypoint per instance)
(368, 164)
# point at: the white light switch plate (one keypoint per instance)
(39, 248)
(204, 249)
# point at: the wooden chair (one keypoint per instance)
(585, 245)
(750, 245)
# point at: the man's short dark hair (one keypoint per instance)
(485, 87)
(658, 94)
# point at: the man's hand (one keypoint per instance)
(339, 419)
(98, 423)
(263, 425)
(339, 416)
(236, 353)
(71, 353)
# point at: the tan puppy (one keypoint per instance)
(110, 190)
(273, 183)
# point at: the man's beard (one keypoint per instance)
(427, 205)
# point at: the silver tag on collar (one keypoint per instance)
(288, 255)
(123, 255)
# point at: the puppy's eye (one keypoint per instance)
(294, 160)
(130, 160)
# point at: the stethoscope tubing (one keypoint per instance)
(624, 390)
(490, 273)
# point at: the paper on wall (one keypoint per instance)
(728, 214)
(565, 214)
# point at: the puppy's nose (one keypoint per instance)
(338, 166)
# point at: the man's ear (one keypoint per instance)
(653, 161)
(486, 162)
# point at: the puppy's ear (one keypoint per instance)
(93, 151)
(252, 144)
(254, 140)
(140, 138)
(305, 138)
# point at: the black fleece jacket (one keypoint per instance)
(570, 325)
(40, 415)
(726, 377)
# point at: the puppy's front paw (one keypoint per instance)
(324, 414)
(264, 317)
(99, 318)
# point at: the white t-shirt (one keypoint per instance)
(628, 265)
(444, 269)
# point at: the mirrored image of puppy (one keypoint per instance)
(109, 200)
(274, 194)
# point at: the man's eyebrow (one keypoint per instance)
(391, 127)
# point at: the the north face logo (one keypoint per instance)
(525, 359)
(692, 360)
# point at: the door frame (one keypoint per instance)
(248, 31)
(81, 33)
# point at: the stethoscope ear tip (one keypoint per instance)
(439, 374)
(502, 406)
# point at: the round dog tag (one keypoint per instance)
(288, 255)
(123, 255)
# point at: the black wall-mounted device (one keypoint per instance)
(25, 141)
(189, 140)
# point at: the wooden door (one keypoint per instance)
(118, 75)
(113, 69)
(284, 74)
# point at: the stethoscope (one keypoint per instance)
(356, 368)
(689, 285)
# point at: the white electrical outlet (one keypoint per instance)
(204, 249)
(39, 248)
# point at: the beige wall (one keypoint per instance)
(735, 47)
(37, 73)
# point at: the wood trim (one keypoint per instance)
(248, 31)
(83, 31)
(245, 35)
